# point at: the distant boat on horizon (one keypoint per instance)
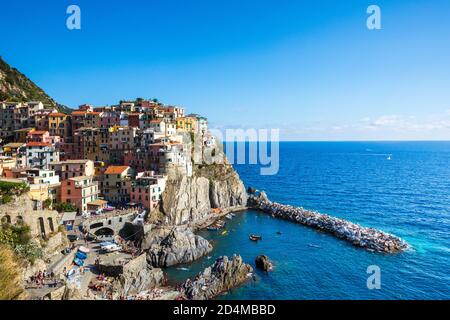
(389, 157)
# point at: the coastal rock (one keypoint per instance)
(222, 276)
(168, 246)
(251, 190)
(262, 262)
(190, 199)
(137, 276)
(184, 200)
(71, 292)
(56, 294)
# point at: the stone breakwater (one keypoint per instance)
(368, 238)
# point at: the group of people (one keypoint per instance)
(101, 286)
(42, 278)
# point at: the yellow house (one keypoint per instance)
(38, 192)
(59, 124)
(188, 124)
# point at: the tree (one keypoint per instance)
(47, 203)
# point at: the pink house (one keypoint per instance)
(147, 189)
(79, 191)
(39, 136)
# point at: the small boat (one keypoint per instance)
(232, 214)
(81, 255)
(83, 249)
(278, 232)
(229, 216)
(389, 157)
(211, 228)
(313, 245)
(254, 237)
(78, 262)
(224, 232)
(183, 269)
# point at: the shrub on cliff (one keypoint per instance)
(13, 188)
(10, 288)
(47, 203)
(64, 207)
(18, 238)
(13, 235)
(6, 199)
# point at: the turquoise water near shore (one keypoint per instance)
(408, 196)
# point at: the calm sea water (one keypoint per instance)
(408, 196)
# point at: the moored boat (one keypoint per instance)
(255, 237)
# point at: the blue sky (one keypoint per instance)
(310, 68)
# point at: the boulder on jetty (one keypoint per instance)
(262, 262)
(222, 276)
(368, 238)
(168, 246)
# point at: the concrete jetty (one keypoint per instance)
(368, 238)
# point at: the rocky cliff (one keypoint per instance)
(222, 276)
(167, 246)
(190, 199)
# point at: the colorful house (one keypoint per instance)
(146, 189)
(114, 186)
(79, 191)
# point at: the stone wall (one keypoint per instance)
(22, 209)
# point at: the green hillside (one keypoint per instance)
(16, 87)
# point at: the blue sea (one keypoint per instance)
(408, 196)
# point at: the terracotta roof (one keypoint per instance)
(37, 132)
(38, 144)
(57, 114)
(78, 112)
(81, 112)
(116, 169)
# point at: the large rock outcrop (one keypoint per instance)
(168, 246)
(262, 262)
(137, 276)
(222, 276)
(191, 199)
